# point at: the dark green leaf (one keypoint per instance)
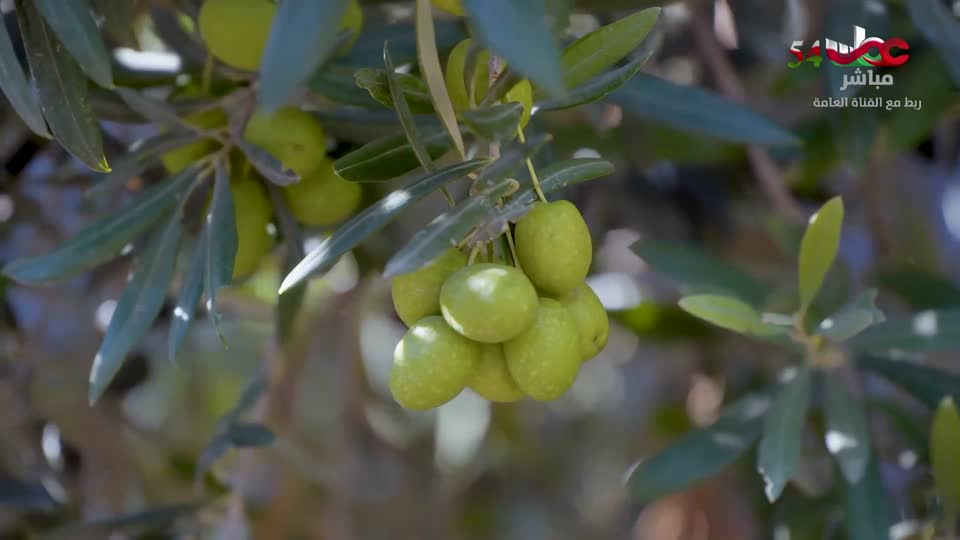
(118, 20)
(389, 157)
(14, 83)
(561, 174)
(942, 30)
(244, 435)
(138, 157)
(858, 315)
(157, 517)
(153, 110)
(945, 456)
(868, 506)
(105, 238)
(921, 288)
(62, 89)
(598, 88)
(446, 230)
(724, 311)
(337, 83)
(138, 306)
(928, 384)
(191, 290)
(368, 49)
(509, 162)
(696, 271)
(701, 453)
(403, 113)
(414, 90)
(303, 36)
(221, 227)
(373, 219)
(518, 31)
(266, 164)
(818, 249)
(73, 24)
(601, 49)
(783, 426)
(691, 109)
(924, 331)
(847, 436)
(289, 304)
(495, 123)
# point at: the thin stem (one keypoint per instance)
(473, 254)
(207, 79)
(446, 195)
(533, 172)
(513, 249)
(490, 257)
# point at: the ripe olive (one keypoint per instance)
(593, 325)
(417, 294)
(488, 302)
(431, 364)
(554, 248)
(544, 360)
(491, 379)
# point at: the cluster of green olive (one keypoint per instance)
(504, 331)
(236, 32)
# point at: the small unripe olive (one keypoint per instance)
(253, 212)
(236, 31)
(293, 136)
(454, 76)
(353, 21)
(431, 364)
(544, 360)
(417, 294)
(321, 197)
(522, 92)
(181, 158)
(454, 7)
(554, 248)
(492, 379)
(593, 325)
(488, 302)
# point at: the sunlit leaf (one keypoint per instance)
(779, 450)
(495, 123)
(14, 83)
(105, 238)
(222, 242)
(724, 311)
(138, 306)
(406, 117)
(518, 31)
(869, 515)
(430, 66)
(308, 27)
(191, 290)
(691, 109)
(928, 384)
(818, 248)
(702, 453)
(414, 90)
(62, 89)
(372, 219)
(847, 436)
(73, 24)
(601, 49)
(390, 156)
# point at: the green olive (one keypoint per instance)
(544, 360)
(181, 158)
(488, 302)
(593, 325)
(236, 31)
(293, 136)
(321, 197)
(253, 212)
(554, 247)
(453, 75)
(431, 364)
(492, 379)
(417, 294)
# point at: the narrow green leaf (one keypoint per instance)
(389, 157)
(430, 66)
(405, 116)
(266, 164)
(222, 240)
(373, 219)
(694, 110)
(153, 110)
(138, 306)
(942, 30)
(414, 90)
(927, 384)
(847, 436)
(702, 453)
(724, 311)
(518, 31)
(289, 304)
(73, 24)
(783, 426)
(246, 435)
(920, 288)
(14, 83)
(138, 157)
(924, 331)
(105, 238)
(601, 49)
(696, 271)
(597, 88)
(310, 29)
(559, 175)
(446, 230)
(191, 290)
(818, 248)
(495, 123)
(509, 162)
(337, 82)
(858, 315)
(119, 20)
(62, 90)
(945, 456)
(869, 516)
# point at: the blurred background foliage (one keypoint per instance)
(165, 453)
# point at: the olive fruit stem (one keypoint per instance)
(533, 172)
(513, 249)
(473, 254)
